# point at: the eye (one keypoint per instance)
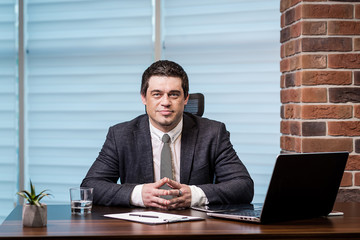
(174, 95)
(156, 94)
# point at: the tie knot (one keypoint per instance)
(165, 138)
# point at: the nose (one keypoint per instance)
(165, 100)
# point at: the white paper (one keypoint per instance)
(152, 217)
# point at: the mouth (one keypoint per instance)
(165, 112)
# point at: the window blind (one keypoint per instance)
(8, 107)
(84, 64)
(230, 50)
(84, 61)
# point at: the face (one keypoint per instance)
(164, 102)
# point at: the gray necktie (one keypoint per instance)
(166, 163)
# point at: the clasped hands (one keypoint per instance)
(151, 195)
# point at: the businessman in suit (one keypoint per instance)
(205, 167)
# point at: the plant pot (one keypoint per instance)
(34, 216)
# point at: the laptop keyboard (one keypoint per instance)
(249, 213)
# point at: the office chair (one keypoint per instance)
(195, 104)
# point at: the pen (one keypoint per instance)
(140, 215)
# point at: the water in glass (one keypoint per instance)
(81, 207)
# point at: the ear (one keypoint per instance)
(143, 99)
(187, 99)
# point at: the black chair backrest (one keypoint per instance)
(195, 104)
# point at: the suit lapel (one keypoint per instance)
(188, 142)
(144, 150)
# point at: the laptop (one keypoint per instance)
(302, 185)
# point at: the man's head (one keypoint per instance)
(168, 69)
(164, 91)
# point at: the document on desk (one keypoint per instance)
(152, 217)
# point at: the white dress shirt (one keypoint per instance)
(198, 196)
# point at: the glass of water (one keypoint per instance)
(81, 200)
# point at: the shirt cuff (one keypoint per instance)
(136, 196)
(198, 196)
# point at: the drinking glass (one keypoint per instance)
(81, 200)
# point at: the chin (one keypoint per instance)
(166, 124)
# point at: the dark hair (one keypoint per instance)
(165, 68)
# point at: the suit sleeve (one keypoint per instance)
(103, 176)
(233, 184)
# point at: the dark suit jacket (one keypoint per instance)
(208, 161)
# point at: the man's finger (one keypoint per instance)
(175, 192)
(173, 184)
(156, 205)
(161, 182)
(160, 202)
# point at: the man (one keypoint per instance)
(205, 167)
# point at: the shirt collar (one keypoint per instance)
(173, 134)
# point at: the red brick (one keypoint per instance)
(347, 61)
(297, 80)
(285, 34)
(292, 79)
(313, 61)
(290, 16)
(326, 77)
(290, 127)
(357, 111)
(290, 95)
(282, 51)
(314, 95)
(342, 11)
(285, 65)
(289, 80)
(344, 128)
(314, 28)
(357, 179)
(296, 30)
(312, 129)
(291, 111)
(326, 44)
(344, 94)
(286, 4)
(285, 127)
(344, 28)
(295, 128)
(348, 194)
(295, 63)
(292, 47)
(290, 32)
(327, 144)
(282, 80)
(357, 146)
(357, 44)
(326, 112)
(287, 143)
(357, 78)
(353, 162)
(346, 180)
(292, 144)
(298, 144)
(357, 11)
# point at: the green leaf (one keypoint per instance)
(32, 197)
(32, 190)
(40, 196)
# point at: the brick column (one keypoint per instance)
(320, 82)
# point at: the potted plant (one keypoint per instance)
(34, 213)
